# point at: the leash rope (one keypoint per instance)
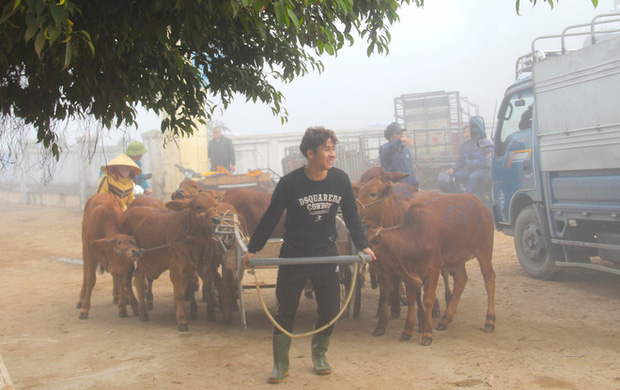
(315, 331)
(145, 250)
(370, 203)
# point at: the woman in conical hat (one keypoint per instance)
(117, 179)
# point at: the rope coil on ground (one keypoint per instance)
(322, 328)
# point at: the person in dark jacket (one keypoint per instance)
(395, 155)
(221, 152)
(472, 168)
(311, 196)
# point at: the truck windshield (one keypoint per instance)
(516, 115)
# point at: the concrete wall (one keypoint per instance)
(73, 178)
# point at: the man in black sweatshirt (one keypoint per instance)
(311, 196)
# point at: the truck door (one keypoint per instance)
(512, 160)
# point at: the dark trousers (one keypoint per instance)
(474, 181)
(290, 283)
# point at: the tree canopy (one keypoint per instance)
(72, 59)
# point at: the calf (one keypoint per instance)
(104, 245)
(173, 240)
(223, 254)
(153, 202)
(148, 201)
(381, 203)
(446, 231)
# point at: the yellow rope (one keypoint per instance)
(315, 331)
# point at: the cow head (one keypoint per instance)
(369, 199)
(203, 210)
(116, 253)
(187, 189)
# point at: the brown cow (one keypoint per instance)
(104, 245)
(400, 189)
(188, 188)
(148, 201)
(214, 257)
(251, 205)
(145, 201)
(173, 240)
(379, 206)
(445, 231)
(210, 261)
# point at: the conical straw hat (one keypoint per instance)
(125, 160)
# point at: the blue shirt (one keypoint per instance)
(396, 157)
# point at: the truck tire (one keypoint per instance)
(533, 247)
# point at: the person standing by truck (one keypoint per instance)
(395, 155)
(311, 196)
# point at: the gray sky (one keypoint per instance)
(468, 46)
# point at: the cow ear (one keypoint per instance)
(356, 187)
(178, 205)
(103, 244)
(397, 176)
(101, 247)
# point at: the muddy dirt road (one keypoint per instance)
(549, 335)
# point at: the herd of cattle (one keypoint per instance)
(416, 235)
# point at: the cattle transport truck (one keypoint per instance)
(556, 178)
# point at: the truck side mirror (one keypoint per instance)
(477, 126)
(484, 143)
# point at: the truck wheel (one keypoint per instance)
(534, 249)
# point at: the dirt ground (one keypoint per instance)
(549, 335)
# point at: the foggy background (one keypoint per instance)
(449, 45)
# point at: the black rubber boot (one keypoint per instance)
(320, 343)
(281, 346)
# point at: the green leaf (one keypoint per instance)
(39, 42)
(370, 49)
(280, 12)
(68, 54)
(54, 33)
(85, 36)
(293, 17)
(31, 31)
(58, 14)
(329, 49)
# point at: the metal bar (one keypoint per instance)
(586, 244)
(239, 280)
(588, 266)
(347, 259)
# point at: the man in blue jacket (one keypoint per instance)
(472, 168)
(395, 155)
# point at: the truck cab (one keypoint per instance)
(513, 163)
(556, 154)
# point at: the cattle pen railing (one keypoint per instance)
(266, 259)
